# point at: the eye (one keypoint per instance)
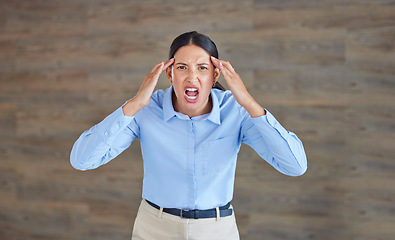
(181, 67)
(203, 68)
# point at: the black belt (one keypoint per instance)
(196, 214)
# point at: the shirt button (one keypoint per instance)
(106, 134)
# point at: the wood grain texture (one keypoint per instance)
(325, 69)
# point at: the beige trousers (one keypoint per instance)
(153, 224)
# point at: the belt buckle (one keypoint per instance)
(182, 210)
(195, 213)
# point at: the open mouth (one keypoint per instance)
(191, 94)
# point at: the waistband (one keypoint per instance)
(223, 211)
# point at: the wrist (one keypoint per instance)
(132, 107)
(253, 108)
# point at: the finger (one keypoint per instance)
(216, 62)
(226, 73)
(160, 67)
(158, 70)
(156, 67)
(168, 63)
(227, 66)
(223, 65)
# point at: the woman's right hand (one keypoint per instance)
(143, 96)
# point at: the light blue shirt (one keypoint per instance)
(190, 163)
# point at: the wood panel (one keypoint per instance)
(325, 69)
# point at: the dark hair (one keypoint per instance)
(198, 39)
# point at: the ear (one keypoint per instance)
(169, 74)
(217, 72)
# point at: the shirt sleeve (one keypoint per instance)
(279, 147)
(104, 141)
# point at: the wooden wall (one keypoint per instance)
(325, 69)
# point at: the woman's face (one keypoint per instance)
(192, 76)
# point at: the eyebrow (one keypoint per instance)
(180, 63)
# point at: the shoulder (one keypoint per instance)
(227, 103)
(224, 98)
(157, 98)
(154, 107)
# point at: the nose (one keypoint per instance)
(192, 76)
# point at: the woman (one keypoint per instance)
(190, 135)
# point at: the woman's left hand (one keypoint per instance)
(238, 89)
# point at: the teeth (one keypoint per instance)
(192, 89)
(192, 97)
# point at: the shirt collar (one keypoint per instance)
(215, 115)
(168, 109)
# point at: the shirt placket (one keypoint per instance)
(191, 165)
